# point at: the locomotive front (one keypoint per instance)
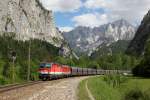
(44, 71)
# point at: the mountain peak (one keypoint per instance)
(121, 22)
(86, 39)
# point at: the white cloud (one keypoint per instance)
(62, 5)
(95, 3)
(65, 29)
(90, 19)
(131, 10)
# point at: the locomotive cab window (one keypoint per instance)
(45, 65)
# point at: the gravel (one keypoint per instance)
(63, 89)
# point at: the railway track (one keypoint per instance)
(16, 86)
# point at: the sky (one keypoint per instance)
(69, 14)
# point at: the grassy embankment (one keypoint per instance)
(116, 88)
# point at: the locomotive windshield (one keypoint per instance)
(45, 65)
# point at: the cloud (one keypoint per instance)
(65, 29)
(131, 10)
(90, 19)
(62, 5)
(95, 4)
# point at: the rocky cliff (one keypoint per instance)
(29, 20)
(138, 43)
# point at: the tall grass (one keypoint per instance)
(115, 80)
(101, 90)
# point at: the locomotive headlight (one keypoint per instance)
(44, 72)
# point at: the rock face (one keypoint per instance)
(29, 20)
(85, 39)
(137, 45)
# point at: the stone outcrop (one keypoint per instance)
(28, 19)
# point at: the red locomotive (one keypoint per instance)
(49, 71)
(53, 71)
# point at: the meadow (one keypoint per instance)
(115, 87)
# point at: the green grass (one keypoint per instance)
(82, 93)
(101, 90)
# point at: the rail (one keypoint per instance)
(16, 86)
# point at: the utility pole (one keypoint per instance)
(13, 71)
(29, 61)
(13, 55)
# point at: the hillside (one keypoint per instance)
(114, 48)
(138, 44)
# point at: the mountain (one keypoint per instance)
(29, 20)
(140, 47)
(116, 47)
(138, 43)
(86, 39)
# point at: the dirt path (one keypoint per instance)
(89, 92)
(64, 89)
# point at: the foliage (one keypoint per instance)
(143, 69)
(117, 61)
(114, 80)
(40, 51)
(137, 94)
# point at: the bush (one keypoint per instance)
(137, 94)
(143, 69)
(4, 80)
(114, 80)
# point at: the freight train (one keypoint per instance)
(48, 71)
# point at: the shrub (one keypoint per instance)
(4, 80)
(137, 94)
(114, 80)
